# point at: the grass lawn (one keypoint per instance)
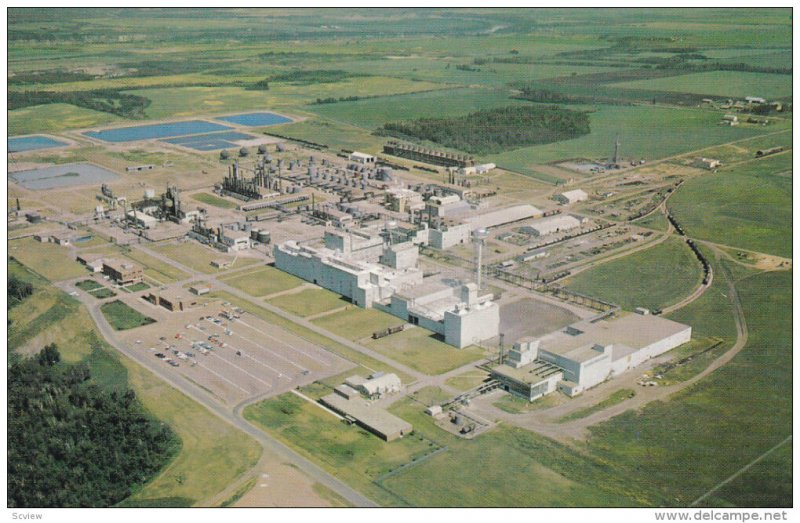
(734, 84)
(653, 278)
(122, 317)
(216, 201)
(517, 405)
(357, 323)
(199, 257)
(563, 478)
(155, 268)
(213, 453)
(353, 454)
(747, 206)
(655, 221)
(334, 134)
(417, 348)
(613, 399)
(48, 259)
(263, 281)
(468, 380)
(678, 450)
(136, 287)
(88, 285)
(103, 293)
(309, 301)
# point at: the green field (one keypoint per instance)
(747, 206)
(155, 268)
(216, 201)
(48, 259)
(103, 293)
(137, 287)
(309, 301)
(516, 405)
(199, 257)
(613, 399)
(734, 84)
(653, 278)
(263, 281)
(55, 118)
(420, 350)
(644, 132)
(349, 451)
(357, 323)
(122, 317)
(88, 285)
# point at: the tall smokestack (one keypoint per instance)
(479, 238)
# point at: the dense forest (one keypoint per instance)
(72, 443)
(105, 100)
(495, 130)
(18, 290)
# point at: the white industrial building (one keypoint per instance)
(362, 158)
(235, 240)
(503, 216)
(587, 353)
(477, 169)
(569, 197)
(551, 224)
(371, 272)
(401, 199)
(449, 236)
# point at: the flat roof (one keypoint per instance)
(531, 374)
(120, 265)
(633, 331)
(503, 216)
(374, 417)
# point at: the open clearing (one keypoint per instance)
(48, 259)
(310, 301)
(733, 84)
(653, 278)
(263, 281)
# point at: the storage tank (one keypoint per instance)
(263, 237)
(254, 233)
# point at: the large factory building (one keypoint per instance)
(587, 353)
(373, 273)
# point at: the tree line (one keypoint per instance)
(105, 100)
(495, 130)
(72, 443)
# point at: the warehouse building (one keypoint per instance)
(404, 200)
(172, 300)
(569, 197)
(122, 272)
(503, 217)
(373, 418)
(587, 353)
(551, 225)
(449, 236)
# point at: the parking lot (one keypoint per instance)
(234, 355)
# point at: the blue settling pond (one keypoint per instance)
(149, 132)
(210, 142)
(65, 175)
(255, 119)
(20, 144)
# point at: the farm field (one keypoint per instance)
(653, 278)
(731, 84)
(747, 205)
(644, 132)
(263, 281)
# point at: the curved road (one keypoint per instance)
(234, 419)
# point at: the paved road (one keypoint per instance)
(234, 418)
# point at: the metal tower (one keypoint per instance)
(479, 239)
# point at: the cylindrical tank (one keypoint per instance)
(254, 233)
(263, 237)
(281, 148)
(262, 149)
